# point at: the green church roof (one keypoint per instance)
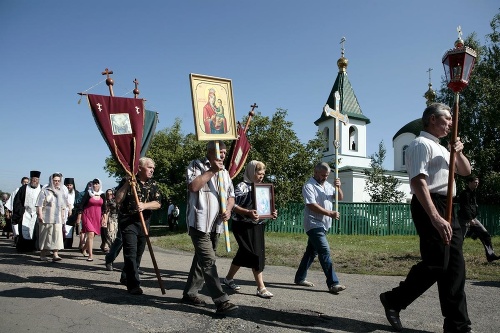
(413, 127)
(348, 102)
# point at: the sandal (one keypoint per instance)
(264, 293)
(90, 259)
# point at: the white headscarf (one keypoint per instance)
(249, 175)
(91, 189)
(51, 186)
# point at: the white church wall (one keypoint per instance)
(398, 143)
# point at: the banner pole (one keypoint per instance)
(223, 200)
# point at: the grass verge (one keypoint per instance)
(352, 254)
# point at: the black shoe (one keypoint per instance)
(226, 307)
(140, 272)
(492, 257)
(193, 300)
(392, 315)
(109, 267)
(135, 291)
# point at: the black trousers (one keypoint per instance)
(134, 243)
(440, 263)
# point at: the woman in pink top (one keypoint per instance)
(90, 212)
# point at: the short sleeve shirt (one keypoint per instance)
(323, 195)
(426, 156)
(204, 206)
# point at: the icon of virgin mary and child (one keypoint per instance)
(213, 115)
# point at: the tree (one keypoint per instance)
(289, 163)
(382, 187)
(479, 117)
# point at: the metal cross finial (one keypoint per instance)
(136, 90)
(109, 81)
(429, 71)
(342, 41)
(459, 30)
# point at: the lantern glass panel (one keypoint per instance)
(469, 62)
(446, 66)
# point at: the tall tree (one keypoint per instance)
(479, 114)
(380, 186)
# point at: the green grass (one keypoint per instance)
(372, 255)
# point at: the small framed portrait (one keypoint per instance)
(263, 198)
(214, 116)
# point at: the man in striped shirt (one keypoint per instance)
(205, 224)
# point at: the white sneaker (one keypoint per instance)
(231, 284)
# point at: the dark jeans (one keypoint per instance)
(440, 263)
(203, 267)
(134, 243)
(317, 245)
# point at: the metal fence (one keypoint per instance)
(355, 219)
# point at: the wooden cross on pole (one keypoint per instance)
(335, 113)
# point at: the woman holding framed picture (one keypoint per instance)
(248, 226)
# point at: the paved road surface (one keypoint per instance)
(77, 296)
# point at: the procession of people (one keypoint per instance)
(46, 218)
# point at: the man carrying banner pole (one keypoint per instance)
(132, 214)
(121, 123)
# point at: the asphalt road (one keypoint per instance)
(75, 296)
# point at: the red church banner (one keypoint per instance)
(121, 123)
(238, 153)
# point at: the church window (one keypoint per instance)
(353, 139)
(404, 153)
(326, 138)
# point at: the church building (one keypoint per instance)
(352, 138)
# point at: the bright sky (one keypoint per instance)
(278, 54)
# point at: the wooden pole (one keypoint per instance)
(133, 182)
(451, 174)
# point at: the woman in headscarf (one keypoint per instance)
(52, 209)
(91, 213)
(248, 230)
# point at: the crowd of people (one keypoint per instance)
(47, 218)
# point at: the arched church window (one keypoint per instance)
(404, 154)
(326, 138)
(353, 138)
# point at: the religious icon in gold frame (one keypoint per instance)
(214, 115)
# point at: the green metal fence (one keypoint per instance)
(355, 219)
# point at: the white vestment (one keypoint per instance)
(9, 204)
(29, 217)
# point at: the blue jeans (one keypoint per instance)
(317, 245)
